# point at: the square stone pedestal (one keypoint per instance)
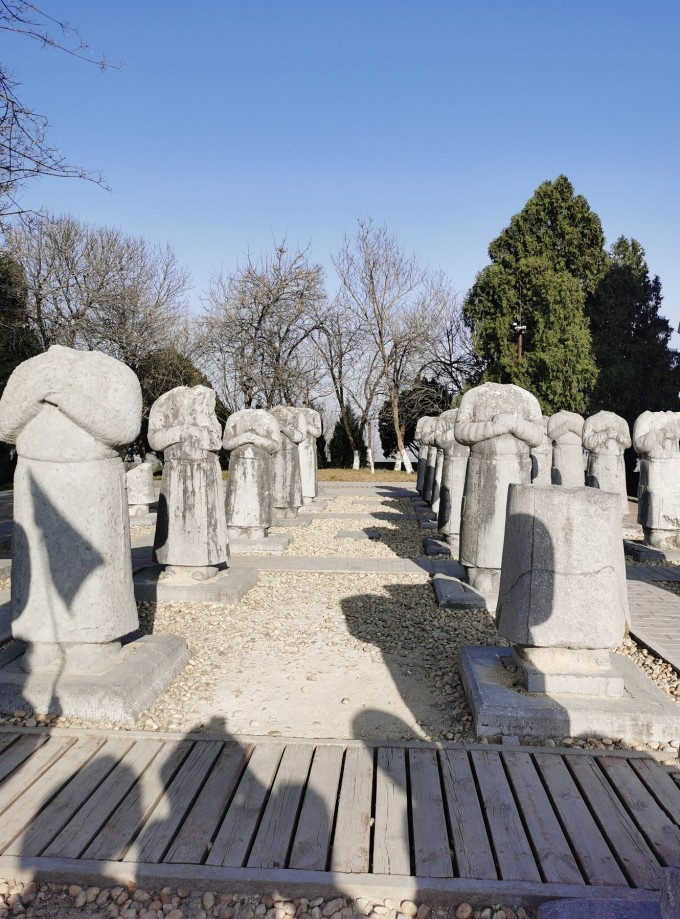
(227, 587)
(563, 670)
(494, 687)
(268, 545)
(142, 670)
(432, 546)
(453, 593)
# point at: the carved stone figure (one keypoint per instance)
(308, 462)
(422, 452)
(140, 488)
(253, 437)
(500, 423)
(655, 439)
(541, 459)
(69, 412)
(566, 431)
(605, 437)
(453, 475)
(191, 528)
(427, 438)
(287, 488)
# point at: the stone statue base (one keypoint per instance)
(661, 539)
(228, 586)
(265, 545)
(138, 672)
(565, 670)
(285, 513)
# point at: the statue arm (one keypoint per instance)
(528, 431)
(234, 441)
(20, 403)
(160, 438)
(115, 422)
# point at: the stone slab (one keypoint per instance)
(316, 507)
(452, 593)
(227, 587)
(145, 668)
(643, 553)
(500, 705)
(358, 534)
(425, 524)
(435, 547)
(600, 909)
(302, 520)
(269, 545)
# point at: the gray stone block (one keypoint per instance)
(269, 545)
(435, 547)
(500, 705)
(451, 593)
(561, 670)
(642, 553)
(358, 534)
(145, 667)
(591, 908)
(302, 520)
(227, 587)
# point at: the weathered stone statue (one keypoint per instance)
(562, 561)
(500, 423)
(437, 480)
(656, 440)
(191, 528)
(422, 452)
(252, 437)
(140, 488)
(605, 437)
(453, 475)
(566, 430)
(69, 412)
(308, 462)
(541, 459)
(287, 489)
(427, 438)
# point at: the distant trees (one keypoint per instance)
(543, 267)
(425, 397)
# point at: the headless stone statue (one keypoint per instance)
(427, 438)
(541, 459)
(655, 439)
(500, 423)
(140, 488)
(606, 436)
(191, 528)
(253, 437)
(422, 452)
(287, 489)
(566, 430)
(453, 475)
(69, 412)
(308, 462)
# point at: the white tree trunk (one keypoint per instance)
(397, 463)
(407, 462)
(355, 464)
(369, 460)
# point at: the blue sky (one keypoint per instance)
(232, 124)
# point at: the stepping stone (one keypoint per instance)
(227, 587)
(269, 545)
(302, 520)
(358, 534)
(452, 593)
(435, 547)
(426, 524)
(642, 553)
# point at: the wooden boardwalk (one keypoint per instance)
(408, 819)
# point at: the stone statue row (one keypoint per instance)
(469, 456)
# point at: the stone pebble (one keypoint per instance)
(34, 900)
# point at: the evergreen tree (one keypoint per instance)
(340, 449)
(544, 265)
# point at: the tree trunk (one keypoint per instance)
(397, 462)
(401, 449)
(407, 462)
(369, 460)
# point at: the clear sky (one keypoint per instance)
(235, 122)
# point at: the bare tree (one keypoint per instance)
(257, 331)
(452, 362)
(389, 294)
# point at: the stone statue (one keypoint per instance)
(252, 437)
(453, 475)
(69, 413)
(541, 459)
(191, 527)
(308, 462)
(605, 437)
(500, 422)
(140, 488)
(427, 438)
(422, 452)
(655, 439)
(287, 489)
(566, 431)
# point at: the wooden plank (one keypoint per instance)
(198, 829)
(592, 852)
(240, 823)
(313, 835)
(17, 816)
(167, 816)
(32, 768)
(274, 835)
(79, 831)
(661, 785)
(508, 837)
(24, 747)
(555, 858)
(114, 838)
(6, 740)
(66, 804)
(391, 849)
(431, 850)
(350, 852)
(472, 849)
(624, 837)
(662, 835)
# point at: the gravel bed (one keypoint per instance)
(138, 531)
(54, 901)
(398, 539)
(5, 583)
